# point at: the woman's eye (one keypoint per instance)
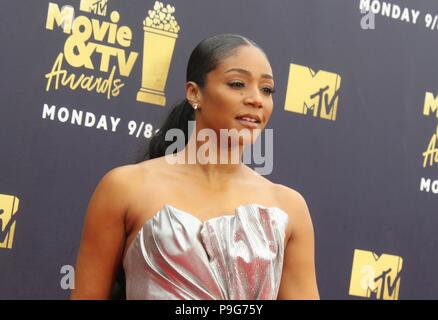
(269, 90)
(236, 84)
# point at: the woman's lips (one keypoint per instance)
(248, 124)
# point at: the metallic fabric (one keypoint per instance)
(177, 256)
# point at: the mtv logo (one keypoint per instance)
(314, 92)
(94, 6)
(377, 276)
(8, 209)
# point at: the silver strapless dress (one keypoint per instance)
(177, 256)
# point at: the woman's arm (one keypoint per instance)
(299, 277)
(103, 238)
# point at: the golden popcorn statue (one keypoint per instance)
(160, 33)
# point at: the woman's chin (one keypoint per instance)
(248, 137)
(238, 135)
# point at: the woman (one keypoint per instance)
(197, 230)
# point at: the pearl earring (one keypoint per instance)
(195, 106)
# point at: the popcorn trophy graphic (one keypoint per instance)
(160, 33)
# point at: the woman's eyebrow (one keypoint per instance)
(248, 73)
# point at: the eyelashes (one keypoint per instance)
(241, 85)
(271, 90)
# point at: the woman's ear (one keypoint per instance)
(193, 92)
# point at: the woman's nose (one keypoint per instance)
(255, 98)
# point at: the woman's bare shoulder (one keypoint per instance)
(139, 171)
(259, 179)
(134, 179)
(290, 198)
(286, 193)
(295, 205)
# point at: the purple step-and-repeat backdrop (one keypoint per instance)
(84, 84)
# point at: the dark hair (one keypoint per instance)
(206, 56)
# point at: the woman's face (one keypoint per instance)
(242, 84)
